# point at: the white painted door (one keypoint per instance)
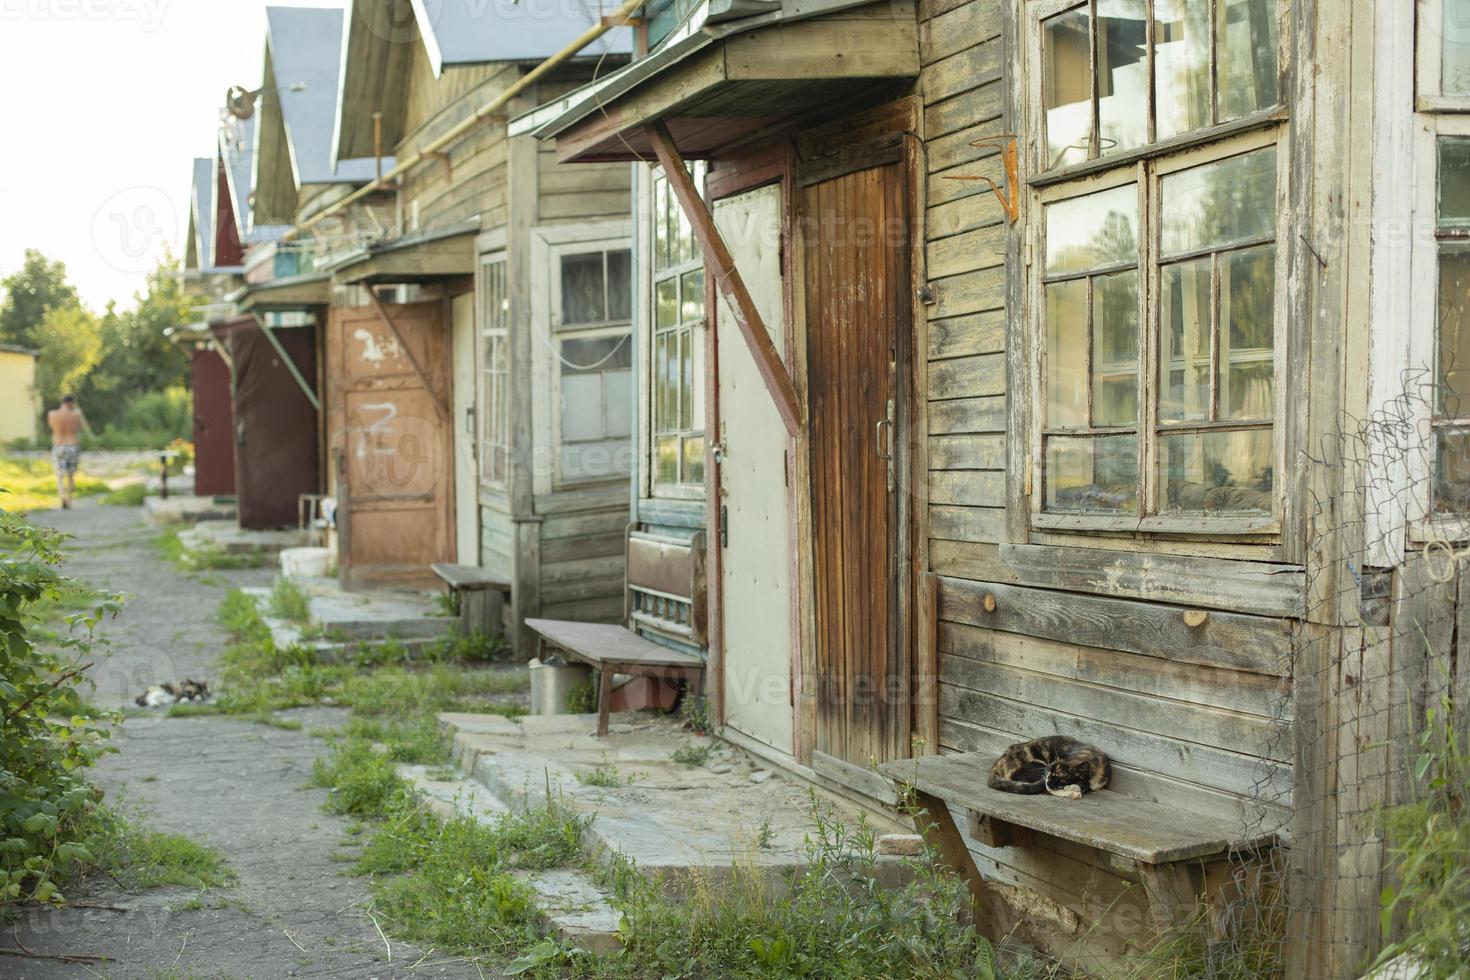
(755, 568)
(466, 470)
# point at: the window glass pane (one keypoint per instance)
(581, 407)
(1221, 202)
(666, 385)
(660, 222)
(1066, 84)
(1454, 331)
(696, 397)
(666, 459)
(1092, 474)
(620, 285)
(1091, 231)
(1115, 349)
(1245, 56)
(1454, 68)
(694, 459)
(618, 395)
(1184, 341)
(684, 235)
(1181, 66)
(1218, 471)
(1454, 183)
(691, 303)
(1066, 354)
(587, 354)
(686, 380)
(1122, 74)
(666, 303)
(1452, 471)
(582, 299)
(1247, 335)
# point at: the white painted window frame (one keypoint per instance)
(495, 428)
(1428, 95)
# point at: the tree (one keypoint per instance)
(70, 344)
(40, 285)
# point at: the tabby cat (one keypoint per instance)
(167, 693)
(1056, 764)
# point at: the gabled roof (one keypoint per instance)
(379, 48)
(199, 246)
(236, 157)
(297, 110)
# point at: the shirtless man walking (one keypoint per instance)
(67, 423)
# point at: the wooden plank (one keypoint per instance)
(971, 108)
(975, 333)
(969, 452)
(967, 488)
(954, 30)
(966, 523)
(600, 643)
(982, 248)
(1234, 586)
(963, 70)
(968, 559)
(971, 292)
(957, 416)
(856, 778)
(1254, 694)
(938, 827)
(721, 265)
(469, 577)
(1131, 828)
(967, 377)
(1250, 643)
(435, 394)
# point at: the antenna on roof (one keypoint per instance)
(240, 101)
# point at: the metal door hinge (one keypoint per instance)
(724, 526)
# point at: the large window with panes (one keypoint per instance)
(1440, 344)
(677, 348)
(1159, 185)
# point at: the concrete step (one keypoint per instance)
(575, 910)
(342, 621)
(228, 537)
(450, 797)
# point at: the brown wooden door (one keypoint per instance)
(214, 426)
(394, 441)
(855, 229)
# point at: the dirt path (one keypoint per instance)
(238, 786)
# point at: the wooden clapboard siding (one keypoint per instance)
(583, 542)
(497, 552)
(581, 191)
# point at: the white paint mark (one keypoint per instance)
(372, 350)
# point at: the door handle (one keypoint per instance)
(884, 427)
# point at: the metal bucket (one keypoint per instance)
(551, 682)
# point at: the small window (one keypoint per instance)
(1213, 61)
(596, 288)
(495, 375)
(1451, 416)
(1454, 47)
(678, 342)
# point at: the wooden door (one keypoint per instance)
(214, 426)
(855, 230)
(466, 467)
(395, 440)
(755, 524)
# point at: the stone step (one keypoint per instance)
(451, 797)
(575, 910)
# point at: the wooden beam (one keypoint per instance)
(721, 266)
(413, 361)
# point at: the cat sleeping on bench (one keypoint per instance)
(1056, 764)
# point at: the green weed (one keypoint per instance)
(603, 776)
(690, 754)
(140, 858)
(127, 495)
(289, 601)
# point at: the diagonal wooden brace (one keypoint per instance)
(721, 265)
(418, 369)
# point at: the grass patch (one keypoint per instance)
(127, 495)
(690, 754)
(140, 858)
(289, 601)
(603, 776)
(30, 484)
(203, 558)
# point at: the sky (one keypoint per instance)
(103, 105)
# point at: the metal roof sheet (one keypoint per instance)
(467, 32)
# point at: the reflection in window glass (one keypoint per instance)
(678, 342)
(1454, 331)
(1093, 231)
(495, 370)
(1454, 183)
(1122, 74)
(596, 405)
(1454, 67)
(1066, 81)
(1184, 341)
(1066, 354)
(1214, 472)
(1092, 474)
(1230, 200)
(1245, 53)
(620, 285)
(1115, 349)
(1452, 471)
(1182, 66)
(583, 296)
(1247, 316)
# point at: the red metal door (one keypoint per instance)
(857, 289)
(275, 424)
(214, 424)
(391, 443)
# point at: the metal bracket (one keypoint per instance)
(443, 158)
(1009, 198)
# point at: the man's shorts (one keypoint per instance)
(65, 458)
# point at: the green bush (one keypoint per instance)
(44, 748)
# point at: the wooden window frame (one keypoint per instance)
(1146, 173)
(679, 489)
(1429, 58)
(495, 429)
(558, 332)
(1042, 10)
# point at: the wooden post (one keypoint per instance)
(727, 279)
(938, 827)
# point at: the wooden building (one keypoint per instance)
(477, 353)
(1012, 347)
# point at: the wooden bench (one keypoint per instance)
(1156, 842)
(482, 597)
(663, 596)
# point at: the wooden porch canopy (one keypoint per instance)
(419, 259)
(290, 294)
(721, 81)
